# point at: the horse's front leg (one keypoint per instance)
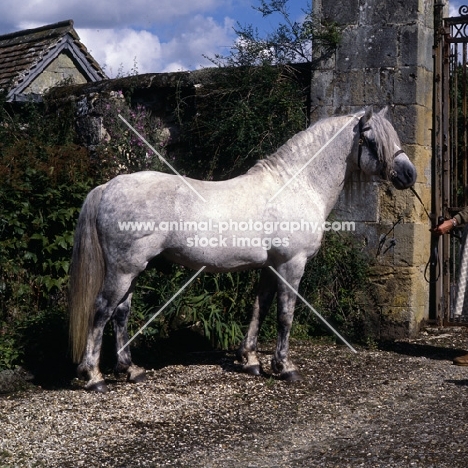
(124, 358)
(291, 273)
(247, 353)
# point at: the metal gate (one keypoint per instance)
(449, 161)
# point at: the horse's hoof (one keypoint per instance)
(137, 378)
(292, 376)
(98, 387)
(136, 374)
(253, 370)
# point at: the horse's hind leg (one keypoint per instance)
(115, 291)
(124, 359)
(247, 353)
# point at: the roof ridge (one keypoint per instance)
(61, 24)
(24, 55)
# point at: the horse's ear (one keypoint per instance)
(383, 112)
(367, 115)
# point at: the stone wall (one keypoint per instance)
(385, 59)
(162, 94)
(158, 93)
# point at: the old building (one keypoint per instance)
(35, 60)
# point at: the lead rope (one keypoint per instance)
(419, 198)
(433, 261)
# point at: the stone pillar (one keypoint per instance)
(385, 59)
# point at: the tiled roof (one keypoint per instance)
(24, 54)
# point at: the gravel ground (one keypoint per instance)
(401, 404)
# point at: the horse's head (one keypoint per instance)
(380, 152)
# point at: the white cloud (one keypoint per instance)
(123, 51)
(203, 37)
(153, 35)
(142, 14)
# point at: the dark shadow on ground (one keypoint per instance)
(460, 383)
(183, 347)
(53, 368)
(422, 350)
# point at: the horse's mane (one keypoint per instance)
(384, 133)
(386, 138)
(279, 159)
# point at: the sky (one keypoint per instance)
(454, 5)
(146, 36)
(151, 36)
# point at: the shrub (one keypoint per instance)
(44, 180)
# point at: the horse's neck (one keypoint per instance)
(317, 163)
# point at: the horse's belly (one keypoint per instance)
(217, 258)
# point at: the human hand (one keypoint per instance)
(445, 227)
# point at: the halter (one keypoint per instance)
(363, 140)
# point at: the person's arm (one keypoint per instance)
(460, 218)
(446, 226)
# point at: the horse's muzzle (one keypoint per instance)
(403, 175)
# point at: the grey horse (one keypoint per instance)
(270, 218)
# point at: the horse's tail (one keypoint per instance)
(86, 274)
